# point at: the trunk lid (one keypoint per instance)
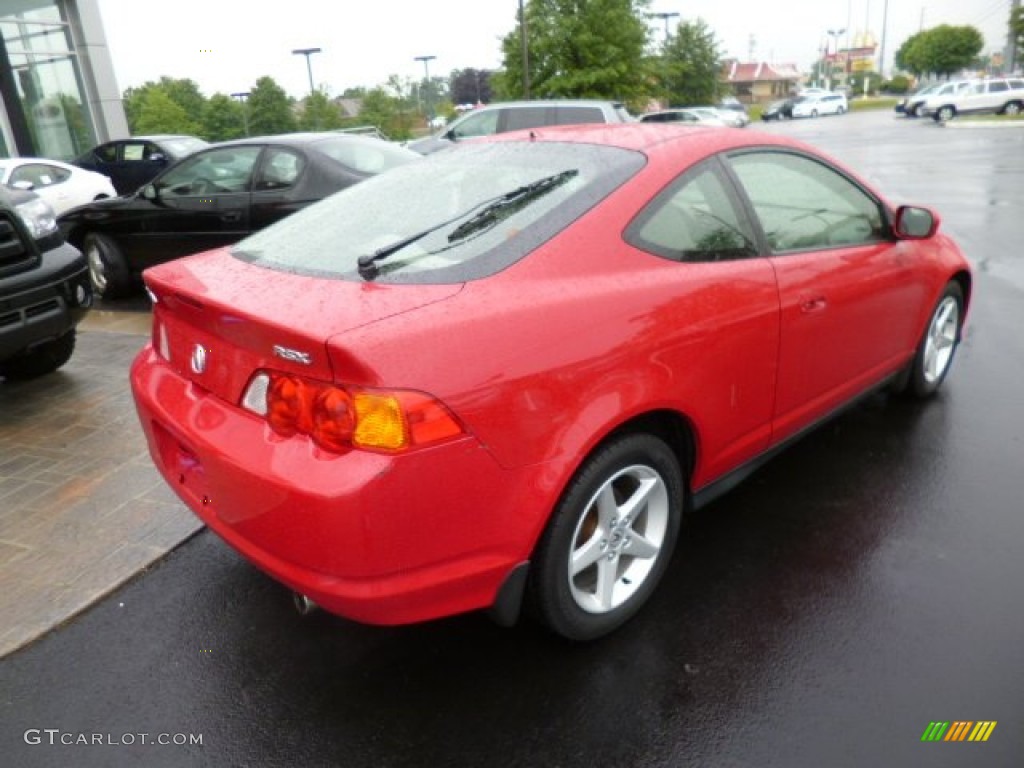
(219, 319)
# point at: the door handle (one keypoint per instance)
(812, 304)
(231, 216)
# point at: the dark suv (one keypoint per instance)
(44, 288)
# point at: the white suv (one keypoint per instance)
(1002, 95)
(814, 104)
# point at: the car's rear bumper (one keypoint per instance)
(376, 538)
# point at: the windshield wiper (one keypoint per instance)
(490, 212)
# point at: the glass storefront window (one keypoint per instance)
(47, 79)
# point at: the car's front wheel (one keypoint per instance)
(840, 110)
(43, 359)
(1013, 108)
(945, 113)
(108, 270)
(934, 356)
(610, 539)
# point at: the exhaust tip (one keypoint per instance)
(303, 604)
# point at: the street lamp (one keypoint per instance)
(307, 52)
(526, 51)
(836, 33)
(243, 97)
(426, 81)
(664, 17)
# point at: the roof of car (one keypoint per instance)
(299, 139)
(645, 136)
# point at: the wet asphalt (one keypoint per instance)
(862, 585)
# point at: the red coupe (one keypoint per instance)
(503, 373)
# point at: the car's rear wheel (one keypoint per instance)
(108, 271)
(840, 110)
(1013, 108)
(43, 359)
(934, 356)
(814, 113)
(610, 539)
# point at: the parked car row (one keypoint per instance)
(944, 101)
(809, 103)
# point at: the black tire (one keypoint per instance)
(611, 584)
(43, 359)
(841, 110)
(814, 113)
(937, 348)
(945, 113)
(108, 271)
(1013, 108)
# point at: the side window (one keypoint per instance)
(39, 174)
(107, 153)
(998, 85)
(134, 151)
(578, 115)
(519, 118)
(802, 203)
(694, 219)
(281, 168)
(218, 171)
(480, 124)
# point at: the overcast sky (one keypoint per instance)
(226, 45)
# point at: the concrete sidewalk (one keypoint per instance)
(82, 508)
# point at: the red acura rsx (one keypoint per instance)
(503, 373)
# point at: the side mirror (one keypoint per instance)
(914, 223)
(450, 135)
(149, 192)
(24, 184)
(158, 157)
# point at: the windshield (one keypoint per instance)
(453, 216)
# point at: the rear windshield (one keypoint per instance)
(457, 215)
(364, 155)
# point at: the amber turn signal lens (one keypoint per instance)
(340, 418)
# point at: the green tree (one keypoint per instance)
(385, 111)
(579, 49)
(223, 118)
(910, 56)
(942, 50)
(185, 93)
(319, 113)
(270, 111)
(690, 65)
(159, 113)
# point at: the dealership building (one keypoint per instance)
(58, 95)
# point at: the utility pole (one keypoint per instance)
(1012, 54)
(526, 52)
(426, 83)
(307, 52)
(664, 17)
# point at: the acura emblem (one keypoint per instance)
(198, 358)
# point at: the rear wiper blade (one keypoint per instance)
(508, 204)
(493, 210)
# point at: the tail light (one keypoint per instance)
(339, 418)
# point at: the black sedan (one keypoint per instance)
(216, 197)
(779, 110)
(130, 163)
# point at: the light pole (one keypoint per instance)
(526, 52)
(307, 52)
(426, 82)
(836, 33)
(664, 17)
(243, 97)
